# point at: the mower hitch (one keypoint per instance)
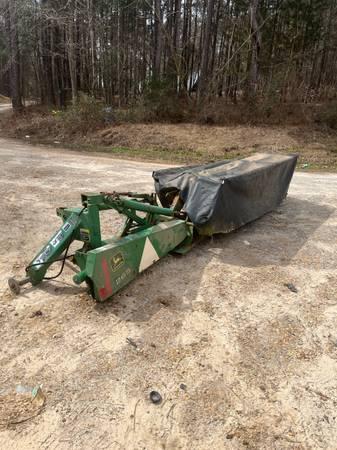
(107, 265)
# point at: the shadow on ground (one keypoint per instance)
(173, 283)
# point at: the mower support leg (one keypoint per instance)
(15, 285)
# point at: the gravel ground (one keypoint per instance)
(240, 360)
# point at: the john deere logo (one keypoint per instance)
(117, 261)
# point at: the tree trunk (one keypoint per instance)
(253, 75)
(72, 61)
(157, 39)
(14, 54)
(204, 72)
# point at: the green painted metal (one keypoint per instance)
(113, 266)
(53, 249)
(108, 266)
(138, 206)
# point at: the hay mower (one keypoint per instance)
(189, 202)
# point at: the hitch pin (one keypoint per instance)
(15, 286)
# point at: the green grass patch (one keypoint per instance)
(164, 155)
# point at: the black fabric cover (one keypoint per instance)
(225, 195)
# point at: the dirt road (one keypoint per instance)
(5, 107)
(239, 359)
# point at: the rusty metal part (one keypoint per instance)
(15, 285)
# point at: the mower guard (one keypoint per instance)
(223, 196)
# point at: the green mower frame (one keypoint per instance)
(149, 233)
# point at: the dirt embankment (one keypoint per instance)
(192, 142)
(183, 142)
